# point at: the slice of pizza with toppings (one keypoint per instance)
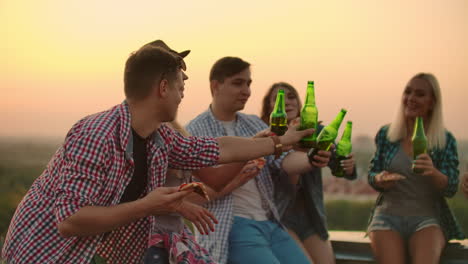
(198, 188)
(260, 162)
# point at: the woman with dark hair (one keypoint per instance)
(411, 214)
(302, 205)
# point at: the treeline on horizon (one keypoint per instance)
(22, 162)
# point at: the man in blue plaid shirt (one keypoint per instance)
(249, 229)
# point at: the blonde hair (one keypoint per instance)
(435, 131)
(179, 128)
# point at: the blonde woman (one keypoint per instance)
(411, 217)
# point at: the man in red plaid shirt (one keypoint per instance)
(99, 191)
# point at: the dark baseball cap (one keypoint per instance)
(160, 43)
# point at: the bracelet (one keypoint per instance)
(310, 155)
(278, 146)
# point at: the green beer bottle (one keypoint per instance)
(309, 117)
(343, 149)
(278, 118)
(419, 141)
(328, 135)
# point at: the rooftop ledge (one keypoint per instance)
(352, 247)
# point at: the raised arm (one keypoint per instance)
(298, 162)
(219, 176)
(247, 172)
(234, 149)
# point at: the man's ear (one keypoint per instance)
(163, 88)
(214, 86)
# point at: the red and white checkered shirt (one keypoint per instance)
(93, 168)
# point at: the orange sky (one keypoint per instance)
(63, 59)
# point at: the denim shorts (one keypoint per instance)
(405, 225)
(298, 219)
(300, 223)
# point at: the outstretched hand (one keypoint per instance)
(293, 136)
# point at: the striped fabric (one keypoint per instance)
(93, 168)
(445, 160)
(246, 126)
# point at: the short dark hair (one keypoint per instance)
(146, 66)
(227, 67)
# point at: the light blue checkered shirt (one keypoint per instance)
(245, 126)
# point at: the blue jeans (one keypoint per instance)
(262, 242)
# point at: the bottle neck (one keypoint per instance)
(418, 128)
(279, 104)
(310, 95)
(338, 119)
(347, 132)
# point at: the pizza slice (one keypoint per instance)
(260, 162)
(198, 188)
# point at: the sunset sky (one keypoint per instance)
(64, 59)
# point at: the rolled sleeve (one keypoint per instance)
(81, 175)
(276, 169)
(277, 163)
(192, 153)
(377, 161)
(448, 166)
(66, 206)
